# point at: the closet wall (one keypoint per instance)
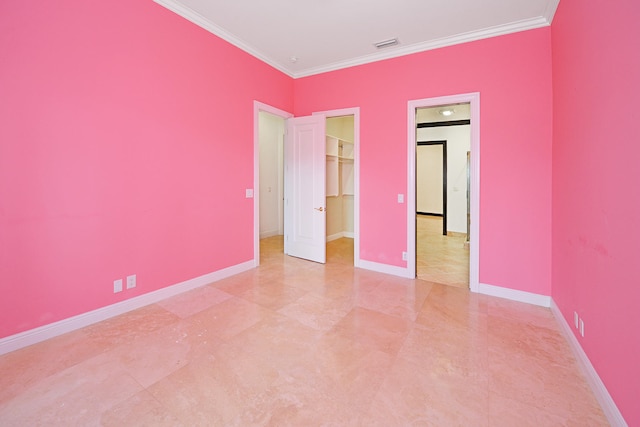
(340, 135)
(271, 140)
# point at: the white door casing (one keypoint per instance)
(355, 112)
(304, 188)
(474, 249)
(257, 108)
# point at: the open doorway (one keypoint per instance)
(271, 190)
(426, 119)
(443, 138)
(340, 191)
(341, 203)
(268, 180)
(431, 179)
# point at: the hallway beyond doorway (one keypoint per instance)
(440, 259)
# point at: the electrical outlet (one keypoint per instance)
(404, 256)
(575, 318)
(582, 328)
(117, 286)
(131, 281)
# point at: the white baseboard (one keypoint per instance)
(347, 234)
(597, 386)
(515, 295)
(271, 233)
(42, 333)
(385, 268)
(335, 236)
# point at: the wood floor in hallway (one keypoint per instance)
(440, 259)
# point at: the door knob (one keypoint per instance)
(321, 209)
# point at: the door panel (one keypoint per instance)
(305, 210)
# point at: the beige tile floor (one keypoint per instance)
(440, 259)
(294, 343)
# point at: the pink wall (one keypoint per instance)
(596, 207)
(126, 144)
(513, 75)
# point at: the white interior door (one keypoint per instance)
(304, 187)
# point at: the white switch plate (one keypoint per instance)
(131, 281)
(117, 286)
(575, 318)
(581, 328)
(404, 256)
(400, 198)
(249, 193)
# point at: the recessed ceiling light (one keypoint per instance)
(447, 112)
(293, 59)
(386, 43)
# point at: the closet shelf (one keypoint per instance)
(339, 166)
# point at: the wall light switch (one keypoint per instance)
(400, 198)
(249, 193)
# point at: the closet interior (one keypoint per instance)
(340, 177)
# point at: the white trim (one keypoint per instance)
(355, 112)
(609, 407)
(42, 333)
(515, 295)
(498, 30)
(474, 248)
(257, 107)
(550, 10)
(193, 16)
(270, 233)
(336, 236)
(384, 268)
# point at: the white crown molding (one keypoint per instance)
(193, 16)
(550, 10)
(605, 400)
(42, 333)
(499, 30)
(485, 33)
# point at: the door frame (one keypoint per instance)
(442, 142)
(474, 249)
(257, 108)
(355, 112)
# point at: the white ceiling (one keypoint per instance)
(434, 114)
(327, 35)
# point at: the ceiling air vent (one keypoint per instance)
(386, 43)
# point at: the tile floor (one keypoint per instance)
(294, 343)
(440, 259)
